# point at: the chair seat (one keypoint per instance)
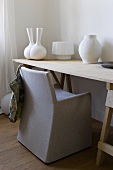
(62, 94)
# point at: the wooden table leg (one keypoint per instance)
(55, 77)
(68, 80)
(103, 146)
(62, 79)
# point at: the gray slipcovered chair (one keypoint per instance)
(54, 123)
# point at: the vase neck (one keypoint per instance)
(39, 35)
(90, 36)
(30, 35)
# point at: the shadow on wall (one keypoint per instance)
(53, 30)
(98, 92)
(107, 51)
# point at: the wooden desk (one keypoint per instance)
(73, 67)
(90, 71)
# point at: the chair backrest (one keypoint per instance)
(38, 85)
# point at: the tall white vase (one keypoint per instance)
(38, 52)
(31, 43)
(90, 49)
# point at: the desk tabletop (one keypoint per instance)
(73, 67)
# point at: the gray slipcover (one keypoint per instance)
(54, 123)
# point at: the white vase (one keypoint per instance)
(38, 52)
(63, 50)
(31, 43)
(90, 49)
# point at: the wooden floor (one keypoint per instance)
(14, 156)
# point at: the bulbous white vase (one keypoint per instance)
(31, 43)
(38, 52)
(90, 49)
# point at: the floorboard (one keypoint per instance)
(14, 156)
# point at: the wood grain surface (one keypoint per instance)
(14, 156)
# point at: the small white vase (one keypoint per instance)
(31, 43)
(38, 52)
(90, 49)
(63, 50)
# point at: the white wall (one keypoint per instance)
(66, 20)
(72, 19)
(69, 20)
(80, 17)
(29, 13)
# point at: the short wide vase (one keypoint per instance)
(38, 52)
(90, 49)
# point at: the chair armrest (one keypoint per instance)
(74, 97)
